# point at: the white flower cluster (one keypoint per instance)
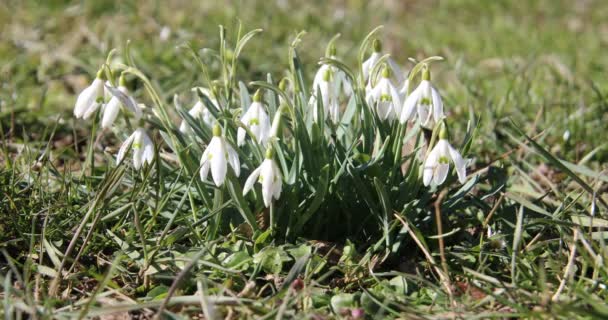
(101, 94)
(386, 93)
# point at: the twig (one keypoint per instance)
(562, 284)
(486, 221)
(444, 262)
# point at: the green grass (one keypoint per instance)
(522, 72)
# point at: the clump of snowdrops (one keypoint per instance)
(333, 157)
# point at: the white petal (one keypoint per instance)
(110, 112)
(383, 109)
(219, 164)
(90, 110)
(409, 105)
(240, 136)
(404, 89)
(208, 118)
(437, 105)
(137, 148)
(424, 116)
(121, 93)
(148, 155)
(265, 129)
(205, 170)
(233, 159)
(267, 181)
(459, 163)
(184, 127)
(396, 100)
(334, 112)
(369, 64)
(319, 77)
(85, 99)
(429, 166)
(205, 157)
(253, 177)
(124, 147)
(278, 183)
(196, 110)
(441, 172)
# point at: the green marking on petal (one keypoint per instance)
(136, 145)
(254, 121)
(386, 97)
(425, 101)
(444, 160)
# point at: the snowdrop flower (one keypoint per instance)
(424, 101)
(269, 175)
(198, 111)
(120, 97)
(326, 87)
(437, 163)
(217, 156)
(370, 63)
(339, 80)
(384, 97)
(91, 98)
(256, 120)
(141, 145)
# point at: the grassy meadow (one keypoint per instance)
(355, 234)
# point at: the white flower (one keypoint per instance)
(425, 99)
(120, 97)
(256, 120)
(326, 86)
(217, 156)
(384, 97)
(142, 146)
(90, 99)
(269, 175)
(198, 111)
(437, 163)
(369, 64)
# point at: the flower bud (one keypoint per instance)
(217, 131)
(257, 97)
(377, 44)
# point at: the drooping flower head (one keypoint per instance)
(199, 112)
(397, 77)
(384, 97)
(326, 87)
(340, 80)
(91, 98)
(120, 98)
(142, 146)
(269, 176)
(437, 164)
(217, 156)
(256, 120)
(425, 102)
